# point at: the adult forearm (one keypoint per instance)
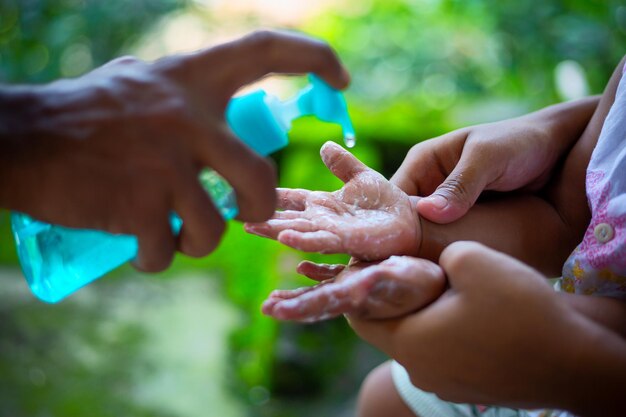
(19, 106)
(524, 226)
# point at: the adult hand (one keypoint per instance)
(121, 147)
(451, 171)
(501, 335)
(368, 218)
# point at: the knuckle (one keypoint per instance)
(127, 60)
(156, 260)
(456, 188)
(213, 239)
(415, 150)
(484, 149)
(157, 264)
(177, 107)
(263, 40)
(456, 256)
(326, 59)
(327, 55)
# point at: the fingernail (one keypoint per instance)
(437, 200)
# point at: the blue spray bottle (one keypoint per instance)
(57, 261)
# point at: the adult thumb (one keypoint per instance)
(456, 195)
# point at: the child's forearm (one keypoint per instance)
(524, 226)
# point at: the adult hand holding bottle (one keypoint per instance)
(120, 148)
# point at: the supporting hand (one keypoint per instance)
(502, 335)
(454, 169)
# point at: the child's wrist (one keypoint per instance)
(432, 240)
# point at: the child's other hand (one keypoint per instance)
(369, 218)
(392, 288)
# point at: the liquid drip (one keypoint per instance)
(349, 140)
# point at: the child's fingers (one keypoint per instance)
(323, 303)
(341, 162)
(292, 198)
(260, 229)
(273, 227)
(321, 241)
(319, 272)
(277, 296)
(288, 214)
(280, 295)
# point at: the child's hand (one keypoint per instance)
(392, 288)
(369, 218)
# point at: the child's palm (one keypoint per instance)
(369, 218)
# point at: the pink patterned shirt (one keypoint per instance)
(598, 265)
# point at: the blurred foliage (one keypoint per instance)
(35, 357)
(420, 68)
(41, 40)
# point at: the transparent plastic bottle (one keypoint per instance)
(57, 260)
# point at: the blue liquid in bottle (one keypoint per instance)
(57, 260)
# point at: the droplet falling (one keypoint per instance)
(349, 140)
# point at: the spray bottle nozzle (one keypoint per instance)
(262, 121)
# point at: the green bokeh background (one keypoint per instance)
(191, 341)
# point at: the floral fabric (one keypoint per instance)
(598, 265)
